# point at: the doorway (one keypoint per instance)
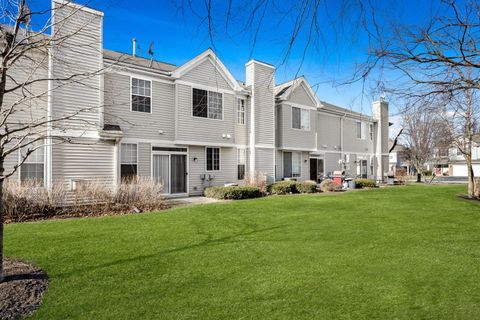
(171, 171)
(316, 170)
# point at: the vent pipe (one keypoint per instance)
(134, 47)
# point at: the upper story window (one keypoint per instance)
(128, 161)
(207, 104)
(33, 168)
(371, 132)
(241, 111)
(213, 159)
(360, 130)
(300, 118)
(141, 95)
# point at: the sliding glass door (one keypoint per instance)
(171, 171)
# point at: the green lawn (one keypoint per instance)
(395, 253)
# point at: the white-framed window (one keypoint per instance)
(33, 168)
(371, 131)
(141, 95)
(213, 158)
(300, 118)
(292, 164)
(128, 161)
(241, 111)
(360, 129)
(207, 104)
(241, 163)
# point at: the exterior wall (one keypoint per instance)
(351, 142)
(227, 173)
(144, 157)
(289, 137)
(380, 113)
(328, 132)
(134, 124)
(203, 130)
(264, 163)
(206, 74)
(84, 159)
(241, 131)
(79, 52)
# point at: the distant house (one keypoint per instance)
(398, 158)
(457, 166)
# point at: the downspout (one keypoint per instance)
(341, 140)
(49, 141)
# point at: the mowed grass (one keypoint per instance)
(394, 253)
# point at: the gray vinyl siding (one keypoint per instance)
(328, 132)
(300, 96)
(305, 174)
(79, 53)
(264, 105)
(331, 162)
(241, 131)
(144, 159)
(264, 163)
(140, 125)
(295, 138)
(85, 159)
(350, 140)
(206, 74)
(204, 130)
(227, 173)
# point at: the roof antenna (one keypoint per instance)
(150, 52)
(134, 47)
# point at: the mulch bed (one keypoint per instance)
(22, 289)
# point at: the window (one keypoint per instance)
(33, 167)
(241, 161)
(300, 118)
(141, 95)
(128, 161)
(213, 159)
(207, 104)
(371, 132)
(241, 111)
(292, 164)
(360, 130)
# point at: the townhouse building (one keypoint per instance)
(189, 126)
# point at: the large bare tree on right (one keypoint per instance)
(438, 61)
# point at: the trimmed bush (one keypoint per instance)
(307, 187)
(427, 173)
(233, 192)
(328, 185)
(284, 187)
(365, 183)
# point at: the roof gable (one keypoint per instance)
(298, 91)
(206, 59)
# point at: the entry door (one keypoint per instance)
(161, 171)
(313, 170)
(179, 173)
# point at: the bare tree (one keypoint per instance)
(438, 60)
(28, 48)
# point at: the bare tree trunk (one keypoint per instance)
(1, 220)
(471, 178)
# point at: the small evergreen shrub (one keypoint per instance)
(307, 187)
(365, 183)
(284, 187)
(328, 185)
(233, 192)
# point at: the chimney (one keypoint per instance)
(380, 114)
(260, 77)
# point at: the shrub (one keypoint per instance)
(365, 183)
(233, 192)
(284, 187)
(307, 187)
(328, 185)
(427, 173)
(257, 179)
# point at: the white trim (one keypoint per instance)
(265, 146)
(142, 76)
(78, 6)
(298, 105)
(219, 158)
(204, 87)
(283, 163)
(296, 149)
(210, 55)
(245, 163)
(294, 84)
(260, 63)
(309, 119)
(238, 111)
(131, 93)
(205, 144)
(123, 68)
(75, 133)
(187, 169)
